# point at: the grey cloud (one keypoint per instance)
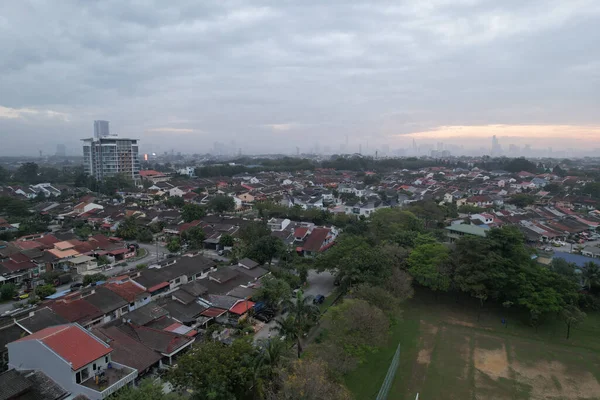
(230, 69)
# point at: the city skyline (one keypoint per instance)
(267, 76)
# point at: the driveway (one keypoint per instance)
(318, 283)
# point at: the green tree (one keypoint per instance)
(427, 264)
(128, 229)
(174, 245)
(175, 202)
(45, 291)
(148, 389)
(378, 297)
(8, 291)
(356, 261)
(592, 189)
(553, 188)
(144, 235)
(220, 204)
(226, 240)
(357, 326)
(89, 279)
(192, 212)
(194, 237)
(572, 316)
(4, 175)
(520, 164)
(564, 268)
(273, 291)
(307, 379)
(28, 173)
(386, 223)
(265, 249)
(302, 314)
(479, 271)
(216, 371)
(522, 200)
(590, 274)
(253, 231)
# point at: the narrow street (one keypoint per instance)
(318, 283)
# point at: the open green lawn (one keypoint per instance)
(447, 354)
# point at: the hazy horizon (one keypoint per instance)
(270, 76)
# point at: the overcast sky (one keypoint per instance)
(272, 75)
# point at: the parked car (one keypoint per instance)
(319, 299)
(22, 296)
(264, 317)
(76, 285)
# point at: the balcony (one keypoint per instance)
(108, 381)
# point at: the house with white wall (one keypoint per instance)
(72, 357)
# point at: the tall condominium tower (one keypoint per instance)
(109, 156)
(101, 129)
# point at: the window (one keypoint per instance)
(85, 374)
(94, 366)
(178, 280)
(106, 359)
(78, 377)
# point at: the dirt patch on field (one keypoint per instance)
(454, 321)
(424, 356)
(493, 363)
(550, 379)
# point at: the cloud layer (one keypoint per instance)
(272, 75)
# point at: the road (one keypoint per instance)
(318, 283)
(567, 248)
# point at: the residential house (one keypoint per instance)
(129, 290)
(455, 232)
(278, 224)
(83, 265)
(74, 358)
(319, 240)
(25, 385)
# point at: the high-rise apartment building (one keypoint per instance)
(101, 129)
(109, 156)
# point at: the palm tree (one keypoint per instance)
(591, 274)
(291, 330)
(302, 308)
(302, 313)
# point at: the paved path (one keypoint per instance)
(319, 283)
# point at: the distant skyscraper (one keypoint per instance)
(110, 156)
(101, 129)
(513, 149)
(61, 150)
(496, 148)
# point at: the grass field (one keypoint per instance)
(447, 354)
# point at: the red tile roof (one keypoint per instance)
(48, 240)
(159, 286)
(14, 266)
(150, 172)
(300, 232)
(213, 312)
(27, 244)
(241, 307)
(76, 310)
(127, 290)
(315, 240)
(71, 342)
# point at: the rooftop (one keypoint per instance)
(468, 229)
(72, 343)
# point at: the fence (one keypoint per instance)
(389, 377)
